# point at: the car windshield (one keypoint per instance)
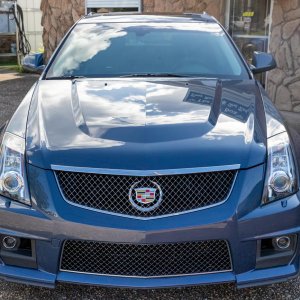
(148, 49)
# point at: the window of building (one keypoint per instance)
(104, 6)
(250, 25)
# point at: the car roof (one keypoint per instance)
(145, 18)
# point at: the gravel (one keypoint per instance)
(11, 93)
(288, 290)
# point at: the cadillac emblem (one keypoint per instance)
(145, 196)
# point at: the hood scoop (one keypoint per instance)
(99, 105)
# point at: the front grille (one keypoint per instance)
(180, 193)
(146, 260)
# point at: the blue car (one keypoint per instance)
(148, 156)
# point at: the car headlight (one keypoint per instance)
(13, 183)
(281, 179)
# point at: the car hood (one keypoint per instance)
(135, 124)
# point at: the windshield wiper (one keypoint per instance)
(72, 77)
(153, 75)
(65, 77)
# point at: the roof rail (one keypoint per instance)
(198, 16)
(202, 16)
(96, 14)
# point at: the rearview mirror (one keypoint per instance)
(262, 62)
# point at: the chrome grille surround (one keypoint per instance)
(109, 193)
(146, 260)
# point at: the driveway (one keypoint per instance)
(13, 88)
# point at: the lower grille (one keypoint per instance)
(146, 260)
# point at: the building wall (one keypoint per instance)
(5, 43)
(284, 82)
(215, 8)
(58, 17)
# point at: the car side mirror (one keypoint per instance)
(262, 62)
(40, 69)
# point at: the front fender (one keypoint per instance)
(18, 123)
(2, 130)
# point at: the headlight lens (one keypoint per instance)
(12, 169)
(281, 180)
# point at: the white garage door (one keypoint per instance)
(135, 4)
(32, 22)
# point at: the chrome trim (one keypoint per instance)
(144, 218)
(147, 277)
(146, 172)
(150, 277)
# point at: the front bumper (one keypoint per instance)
(240, 220)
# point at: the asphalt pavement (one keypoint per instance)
(13, 87)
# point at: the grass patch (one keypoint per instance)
(11, 67)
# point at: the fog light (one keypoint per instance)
(280, 182)
(10, 242)
(282, 242)
(12, 182)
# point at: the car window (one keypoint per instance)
(120, 49)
